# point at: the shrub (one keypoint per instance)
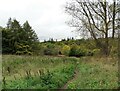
(23, 49)
(77, 51)
(73, 50)
(65, 50)
(80, 52)
(51, 49)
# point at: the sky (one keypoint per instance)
(47, 17)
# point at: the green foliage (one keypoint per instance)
(77, 51)
(51, 49)
(73, 50)
(95, 74)
(54, 72)
(17, 38)
(23, 49)
(57, 71)
(65, 50)
(71, 86)
(46, 81)
(81, 52)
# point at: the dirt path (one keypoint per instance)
(71, 80)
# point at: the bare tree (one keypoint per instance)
(95, 18)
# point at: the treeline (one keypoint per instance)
(18, 39)
(22, 39)
(77, 48)
(69, 47)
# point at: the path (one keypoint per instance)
(71, 80)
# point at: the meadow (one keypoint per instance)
(86, 60)
(49, 72)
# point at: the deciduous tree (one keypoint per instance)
(95, 18)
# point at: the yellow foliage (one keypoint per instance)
(65, 50)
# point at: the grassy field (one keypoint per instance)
(96, 73)
(37, 72)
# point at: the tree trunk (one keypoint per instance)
(113, 21)
(106, 47)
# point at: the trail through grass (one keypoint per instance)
(71, 80)
(36, 72)
(96, 74)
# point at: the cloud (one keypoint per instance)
(47, 17)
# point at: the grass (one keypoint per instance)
(37, 72)
(96, 73)
(48, 80)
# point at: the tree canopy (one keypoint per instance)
(17, 39)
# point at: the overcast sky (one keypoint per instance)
(47, 17)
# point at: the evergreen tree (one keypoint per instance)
(9, 23)
(30, 34)
(30, 37)
(18, 39)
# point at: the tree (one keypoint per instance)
(94, 18)
(114, 10)
(30, 34)
(6, 48)
(19, 39)
(10, 36)
(9, 23)
(51, 40)
(30, 37)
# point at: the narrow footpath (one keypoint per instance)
(71, 80)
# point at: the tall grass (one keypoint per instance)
(36, 72)
(45, 72)
(96, 73)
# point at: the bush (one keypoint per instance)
(65, 50)
(73, 50)
(77, 51)
(23, 49)
(51, 50)
(80, 52)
